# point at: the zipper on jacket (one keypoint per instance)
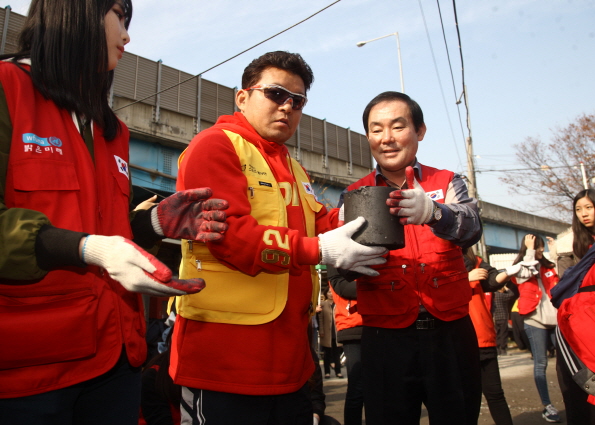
(251, 190)
(423, 266)
(198, 265)
(190, 245)
(435, 282)
(404, 267)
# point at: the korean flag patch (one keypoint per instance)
(122, 166)
(549, 274)
(435, 195)
(309, 190)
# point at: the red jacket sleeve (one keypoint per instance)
(211, 161)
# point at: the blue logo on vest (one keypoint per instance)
(41, 141)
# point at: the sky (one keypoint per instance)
(528, 65)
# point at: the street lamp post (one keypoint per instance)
(396, 34)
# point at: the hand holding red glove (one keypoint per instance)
(134, 268)
(190, 214)
(412, 205)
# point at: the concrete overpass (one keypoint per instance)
(162, 125)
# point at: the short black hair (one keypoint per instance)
(65, 40)
(417, 116)
(290, 62)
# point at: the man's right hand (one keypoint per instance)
(342, 252)
(134, 268)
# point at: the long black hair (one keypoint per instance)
(66, 42)
(539, 243)
(582, 236)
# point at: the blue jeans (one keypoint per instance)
(538, 339)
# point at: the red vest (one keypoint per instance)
(479, 311)
(576, 318)
(346, 315)
(530, 294)
(429, 271)
(69, 326)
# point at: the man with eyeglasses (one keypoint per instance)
(241, 350)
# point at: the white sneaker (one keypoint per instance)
(550, 414)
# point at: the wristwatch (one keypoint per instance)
(436, 215)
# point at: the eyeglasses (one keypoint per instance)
(280, 95)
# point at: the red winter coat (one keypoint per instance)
(576, 320)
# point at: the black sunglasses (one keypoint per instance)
(280, 95)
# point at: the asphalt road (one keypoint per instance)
(516, 371)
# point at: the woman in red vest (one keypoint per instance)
(538, 313)
(580, 408)
(71, 314)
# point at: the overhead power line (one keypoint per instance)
(227, 60)
(439, 81)
(452, 78)
(542, 168)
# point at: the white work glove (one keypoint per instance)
(530, 266)
(513, 270)
(342, 252)
(412, 205)
(523, 270)
(315, 420)
(134, 268)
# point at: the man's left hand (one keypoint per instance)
(412, 205)
(190, 214)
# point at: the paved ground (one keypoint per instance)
(516, 371)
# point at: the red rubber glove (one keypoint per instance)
(190, 214)
(134, 268)
(412, 204)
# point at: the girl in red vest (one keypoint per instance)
(71, 314)
(539, 315)
(485, 278)
(578, 408)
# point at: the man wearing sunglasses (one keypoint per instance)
(241, 352)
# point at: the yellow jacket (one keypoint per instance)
(232, 296)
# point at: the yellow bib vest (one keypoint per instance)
(234, 297)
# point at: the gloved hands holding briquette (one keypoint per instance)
(412, 204)
(342, 252)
